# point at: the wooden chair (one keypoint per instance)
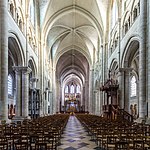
(21, 146)
(138, 145)
(33, 139)
(122, 145)
(3, 146)
(111, 141)
(49, 140)
(41, 146)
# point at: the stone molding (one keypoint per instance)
(23, 69)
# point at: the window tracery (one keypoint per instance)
(10, 85)
(133, 86)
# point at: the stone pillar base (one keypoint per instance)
(147, 121)
(3, 121)
(19, 118)
(141, 120)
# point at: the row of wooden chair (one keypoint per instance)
(117, 134)
(41, 133)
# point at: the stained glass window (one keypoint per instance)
(66, 89)
(72, 89)
(133, 86)
(10, 85)
(31, 12)
(114, 13)
(78, 89)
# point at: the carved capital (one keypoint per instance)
(22, 69)
(34, 79)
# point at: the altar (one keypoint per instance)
(72, 106)
(72, 98)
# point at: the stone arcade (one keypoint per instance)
(55, 56)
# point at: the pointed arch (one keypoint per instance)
(31, 11)
(15, 49)
(33, 66)
(114, 13)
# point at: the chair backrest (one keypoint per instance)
(122, 145)
(33, 138)
(21, 146)
(41, 146)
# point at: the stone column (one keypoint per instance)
(127, 89)
(41, 104)
(41, 74)
(82, 102)
(46, 102)
(96, 102)
(18, 110)
(123, 78)
(50, 101)
(25, 90)
(34, 82)
(61, 98)
(27, 39)
(86, 96)
(98, 50)
(103, 73)
(119, 37)
(142, 58)
(137, 97)
(91, 106)
(121, 88)
(105, 61)
(3, 60)
(148, 63)
(58, 89)
(100, 102)
(54, 92)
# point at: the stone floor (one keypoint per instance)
(75, 137)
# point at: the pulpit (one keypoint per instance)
(110, 105)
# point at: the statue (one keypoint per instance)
(135, 111)
(132, 110)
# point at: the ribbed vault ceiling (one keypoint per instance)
(73, 32)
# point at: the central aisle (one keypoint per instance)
(75, 137)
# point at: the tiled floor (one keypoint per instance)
(75, 137)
